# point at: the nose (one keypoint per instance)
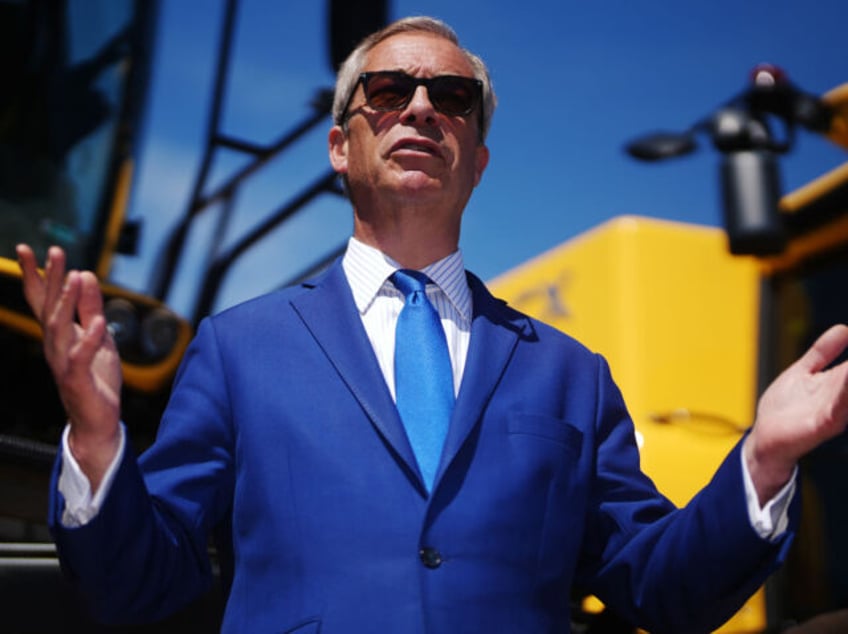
(420, 109)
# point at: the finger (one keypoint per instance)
(90, 299)
(32, 280)
(825, 349)
(90, 342)
(59, 332)
(54, 273)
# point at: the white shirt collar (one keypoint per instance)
(368, 269)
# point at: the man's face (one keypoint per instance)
(415, 155)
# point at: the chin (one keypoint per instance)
(420, 181)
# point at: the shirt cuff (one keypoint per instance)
(80, 506)
(771, 520)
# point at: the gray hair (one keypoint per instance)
(348, 76)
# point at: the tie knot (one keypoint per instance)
(408, 281)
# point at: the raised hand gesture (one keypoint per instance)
(804, 407)
(81, 354)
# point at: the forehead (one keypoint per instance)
(422, 54)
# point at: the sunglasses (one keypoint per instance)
(389, 90)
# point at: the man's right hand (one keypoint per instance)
(81, 354)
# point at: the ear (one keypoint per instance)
(337, 145)
(481, 160)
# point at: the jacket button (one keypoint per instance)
(430, 557)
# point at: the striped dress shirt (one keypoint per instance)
(379, 303)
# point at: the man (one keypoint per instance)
(289, 425)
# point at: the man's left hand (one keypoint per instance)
(805, 406)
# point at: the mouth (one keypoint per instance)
(416, 146)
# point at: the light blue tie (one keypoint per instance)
(423, 374)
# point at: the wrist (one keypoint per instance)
(94, 452)
(769, 473)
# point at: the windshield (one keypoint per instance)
(64, 75)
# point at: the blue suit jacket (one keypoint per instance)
(280, 420)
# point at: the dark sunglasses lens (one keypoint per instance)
(454, 95)
(449, 94)
(388, 91)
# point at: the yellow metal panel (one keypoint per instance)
(838, 100)
(115, 221)
(676, 316)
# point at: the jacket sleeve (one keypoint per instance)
(145, 554)
(667, 569)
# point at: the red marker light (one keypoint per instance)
(768, 76)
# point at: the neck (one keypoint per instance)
(414, 238)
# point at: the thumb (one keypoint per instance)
(825, 349)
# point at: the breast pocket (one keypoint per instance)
(550, 486)
(547, 428)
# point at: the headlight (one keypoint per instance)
(144, 334)
(159, 331)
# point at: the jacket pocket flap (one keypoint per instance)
(547, 427)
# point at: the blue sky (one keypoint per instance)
(575, 81)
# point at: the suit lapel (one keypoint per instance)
(330, 315)
(495, 331)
